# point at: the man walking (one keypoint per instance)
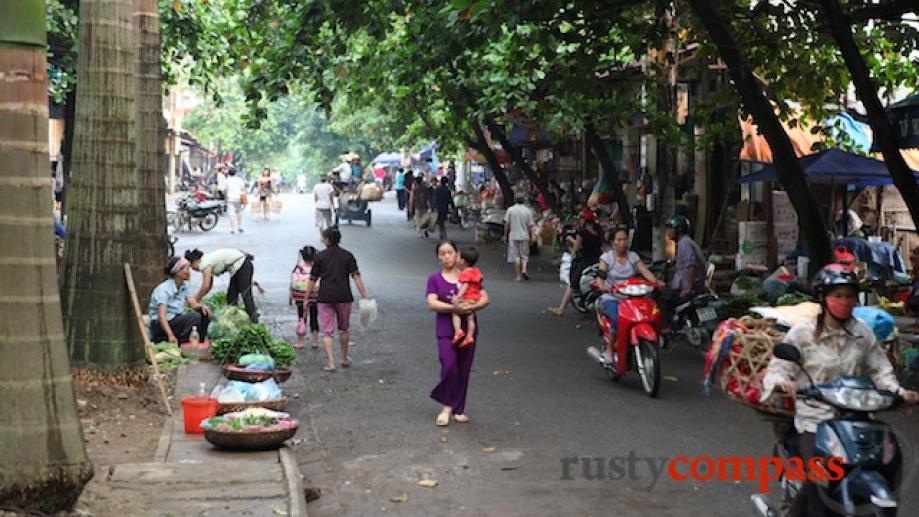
(400, 188)
(442, 202)
(518, 221)
(322, 195)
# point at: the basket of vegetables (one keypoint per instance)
(254, 429)
(232, 407)
(252, 339)
(235, 372)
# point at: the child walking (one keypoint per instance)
(470, 282)
(299, 278)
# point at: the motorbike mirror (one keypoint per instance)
(787, 352)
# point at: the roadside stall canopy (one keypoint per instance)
(833, 166)
(904, 117)
(756, 149)
(388, 160)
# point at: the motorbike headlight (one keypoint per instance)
(636, 290)
(834, 446)
(857, 399)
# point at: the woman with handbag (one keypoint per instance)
(306, 301)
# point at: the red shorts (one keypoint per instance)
(332, 315)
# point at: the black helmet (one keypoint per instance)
(679, 222)
(831, 276)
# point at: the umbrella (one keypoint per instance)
(833, 166)
(388, 160)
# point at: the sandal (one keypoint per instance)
(461, 418)
(458, 336)
(346, 362)
(469, 341)
(329, 369)
(443, 419)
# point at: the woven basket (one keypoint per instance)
(238, 373)
(229, 407)
(743, 370)
(239, 441)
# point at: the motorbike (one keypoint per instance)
(637, 335)
(202, 195)
(695, 320)
(190, 213)
(492, 225)
(583, 295)
(870, 455)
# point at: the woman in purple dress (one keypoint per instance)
(455, 363)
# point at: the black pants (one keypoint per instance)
(181, 326)
(400, 198)
(313, 315)
(442, 224)
(809, 502)
(669, 299)
(241, 284)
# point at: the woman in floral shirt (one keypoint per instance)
(832, 345)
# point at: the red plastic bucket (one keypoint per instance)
(196, 409)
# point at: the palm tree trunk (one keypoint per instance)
(786, 162)
(104, 227)
(43, 463)
(150, 146)
(841, 28)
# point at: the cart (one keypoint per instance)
(351, 208)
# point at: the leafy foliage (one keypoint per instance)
(253, 339)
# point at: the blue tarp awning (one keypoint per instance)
(833, 166)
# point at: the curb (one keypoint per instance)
(295, 495)
(165, 441)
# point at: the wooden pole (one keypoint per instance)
(129, 278)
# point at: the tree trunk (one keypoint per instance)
(104, 227)
(841, 28)
(481, 145)
(609, 171)
(43, 463)
(150, 147)
(755, 101)
(498, 132)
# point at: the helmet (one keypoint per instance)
(831, 276)
(679, 222)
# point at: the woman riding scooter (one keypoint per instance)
(619, 264)
(832, 345)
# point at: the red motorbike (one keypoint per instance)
(637, 338)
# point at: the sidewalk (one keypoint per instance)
(191, 477)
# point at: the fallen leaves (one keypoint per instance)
(488, 449)
(428, 483)
(401, 498)
(670, 378)
(502, 372)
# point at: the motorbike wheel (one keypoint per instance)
(369, 217)
(172, 221)
(650, 369)
(208, 222)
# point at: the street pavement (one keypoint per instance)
(536, 400)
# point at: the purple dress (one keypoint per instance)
(455, 363)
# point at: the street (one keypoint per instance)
(538, 405)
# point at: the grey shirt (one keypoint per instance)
(688, 254)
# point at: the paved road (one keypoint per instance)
(369, 432)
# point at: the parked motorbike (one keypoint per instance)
(637, 335)
(189, 213)
(868, 448)
(492, 225)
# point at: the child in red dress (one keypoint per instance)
(470, 282)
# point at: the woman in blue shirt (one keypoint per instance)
(168, 320)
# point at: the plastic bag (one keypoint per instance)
(250, 359)
(230, 395)
(301, 327)
(265, 390)
(368, 310)
(878, 320)
(564, 268)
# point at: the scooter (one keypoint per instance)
(695, 320)
(492, 225)
(583, 295)
(637, 335)
(870, 455)
(189, 213)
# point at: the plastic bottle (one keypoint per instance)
(194, 338)
(202, 390)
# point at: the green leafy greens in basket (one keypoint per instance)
(253, 339)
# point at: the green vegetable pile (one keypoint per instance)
(793, 299)
(252, 339)
(228, 321)
(739, 306)
(168, 356)
(216, 300)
